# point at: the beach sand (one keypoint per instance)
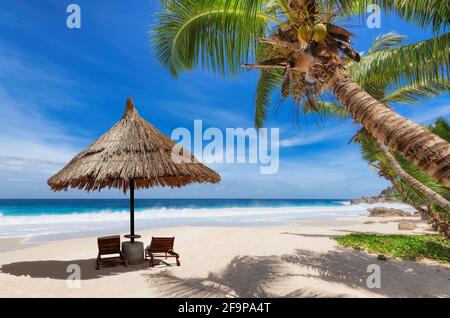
(296, 260)
(11, 244)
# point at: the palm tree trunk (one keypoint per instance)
(428, 151)
(425, 212)
(427, 192)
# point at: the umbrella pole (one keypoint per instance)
(133, 251)
(132, 210)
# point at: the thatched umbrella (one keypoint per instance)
(132, 155)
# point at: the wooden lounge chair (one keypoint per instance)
(161, 247)
(109, 245)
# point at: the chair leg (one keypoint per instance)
(151, 261)
(97, 266)
(178, 261)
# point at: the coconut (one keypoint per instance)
(304, 33)
(319, 32)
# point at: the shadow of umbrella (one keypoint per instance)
(55, 269)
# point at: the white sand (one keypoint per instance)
(299, 260)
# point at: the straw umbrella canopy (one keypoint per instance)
(133, 154)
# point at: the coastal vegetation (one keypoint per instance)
(412, 247)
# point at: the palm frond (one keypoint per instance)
(384, 41)
(441, 127)
(419, 62)
(417, 92)
(376, 89)
(422, 176)
(369, 149)
(269, 81)
(274, 6)
(409, 195)
(283, 5)
(424, 13)
(328, 110)
(219, 35)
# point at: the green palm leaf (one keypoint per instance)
(424, 13)
(422, 177)
(386, 40)
(269, 81)
(219, 35)
(417, 92)
(441, 128)
(419, 62)
(328, 110)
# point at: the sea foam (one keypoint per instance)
(51, 226)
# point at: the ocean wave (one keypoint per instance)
(346, 203)
(102, 220)
(163, 213)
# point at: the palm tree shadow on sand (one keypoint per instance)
(399, 278)
(251, 276)
(56, 269)
(248, 276)
(244, 276)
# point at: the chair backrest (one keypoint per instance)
(162, 244)
(109, 244)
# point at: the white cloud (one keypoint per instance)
(28, 165)
(35, 149)
(318, 135)
(428, 115)
(31, 146)
(330, 174)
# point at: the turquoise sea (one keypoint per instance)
(40, 220)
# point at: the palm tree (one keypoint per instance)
(300, 39)
(422, 188)
(411, 184)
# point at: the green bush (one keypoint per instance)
(410, 247)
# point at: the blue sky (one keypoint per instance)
(61, 88)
